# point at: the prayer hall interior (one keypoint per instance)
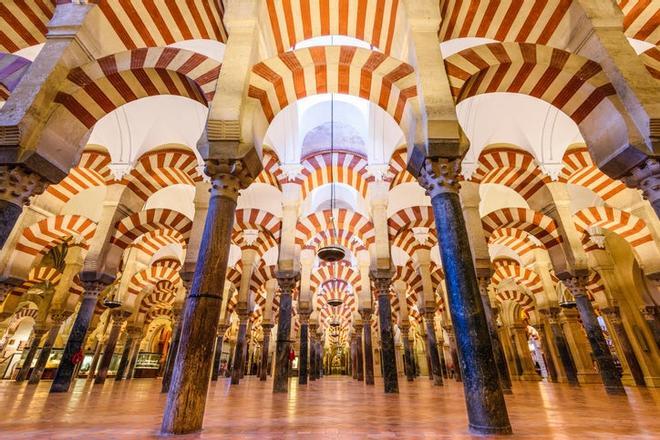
(329, 218)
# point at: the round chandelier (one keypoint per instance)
(332, 253)
(335, 302)
(112, 301)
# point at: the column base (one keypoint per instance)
(490, 430)
(615, 391)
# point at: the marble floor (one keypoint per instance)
(335, 407)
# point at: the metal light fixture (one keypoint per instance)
(335, 302)
(112, 301)
(566, 300)
(332, 253)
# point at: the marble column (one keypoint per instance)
(527, 366)
(98, 348)
(646, 177)
(614, 318)
(265, 348)
(118, 318)
(599, 347)
(186, 398)
(172, 351)
(133, 333)
(561, 344)
(651, 317)
(353, 364)
(42, 360)
(368, 347)
(130, 372)
(217, 362)
(407, 354)
(359, 353)
(304, 348)
(239, 353)
(498, 351)
(37, 333)
(76, 341)
(454, 353)
(17, 184)
(432, 348)
(382, 281)
(485, 403)
(547, 355)
(287, 282)
(312, 353)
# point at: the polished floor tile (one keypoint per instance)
(334, 408)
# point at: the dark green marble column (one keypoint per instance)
(561, 344)
(382, 281)
(407, 354)
(265, 348)
(118, 318)
(487, 413)
(608, 371)
(358, 351)
(304, 348)
(614, 318)
(287, 282)
(217, 354)
(239, 352)
(432, 348)
(498, 351)
(37, 333)
(40, 366)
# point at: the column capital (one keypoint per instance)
(440, 175)
(57, 317)
(134, 331)
(366, 315)
(613, 314)
(119, 316)
(18, 183)
(484, 282)
(382, 280)
(228, 176)
(649, 312)
(646, 177)
(94, 288)
(287, 280)
(576, 285)
(267, 326)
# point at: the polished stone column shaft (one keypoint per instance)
(454, 354)
(239, 352)
(312, 357)
(287, 282)
(485, 403)
(382, 281)
(37, 334)
(109, 351)
(42, 360)
(304, 349)
(547, 355)
(368, 348)
(358, 351)
(562, 346)
(432, 348)
(186, 398)
(76, 341)
(608, 372)
(265, 348)
(171, 353)
(217, 361)
(98, 349)
(407, 354)
(498, 351)
(614, 317)
(123, 362)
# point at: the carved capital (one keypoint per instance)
(366, 315)
(287, 281)
(484, 282)
(18, 183)
(57, 317)
(119, 316)
(93, 288)
(646, 177)
(228, 176)
(382, 280)
(613, 314)
(439, 175)
(576, 285)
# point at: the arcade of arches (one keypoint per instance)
(483, 174)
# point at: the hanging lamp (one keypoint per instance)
(332, 253)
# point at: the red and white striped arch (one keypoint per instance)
(44, 235)
(166, 269)
(510, 167)
(408, 218)
(350, 221)
(383, 80)
(331, 237)
(336, 289)
(348, 168)
(24, 23)
(162, 297)
(410, 277)
(539, 225)
(641, 19)
(574, 84)
(153, 241)
(651, 59)
(154, 314)
(398, 169)
(96, 89)
(629, 227)
(12, 69)
(91, 172)
(151, 23)
(262, 274)
(258, 219)
(525, 301)
(25, 312)
(378, 22)
(329, 272)
(542, 22)
(132, 227)
(579, 169)
(159, 169)
(37, 275)
(518, 240)
(407, 241)
(507, 269)
(272, 173)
